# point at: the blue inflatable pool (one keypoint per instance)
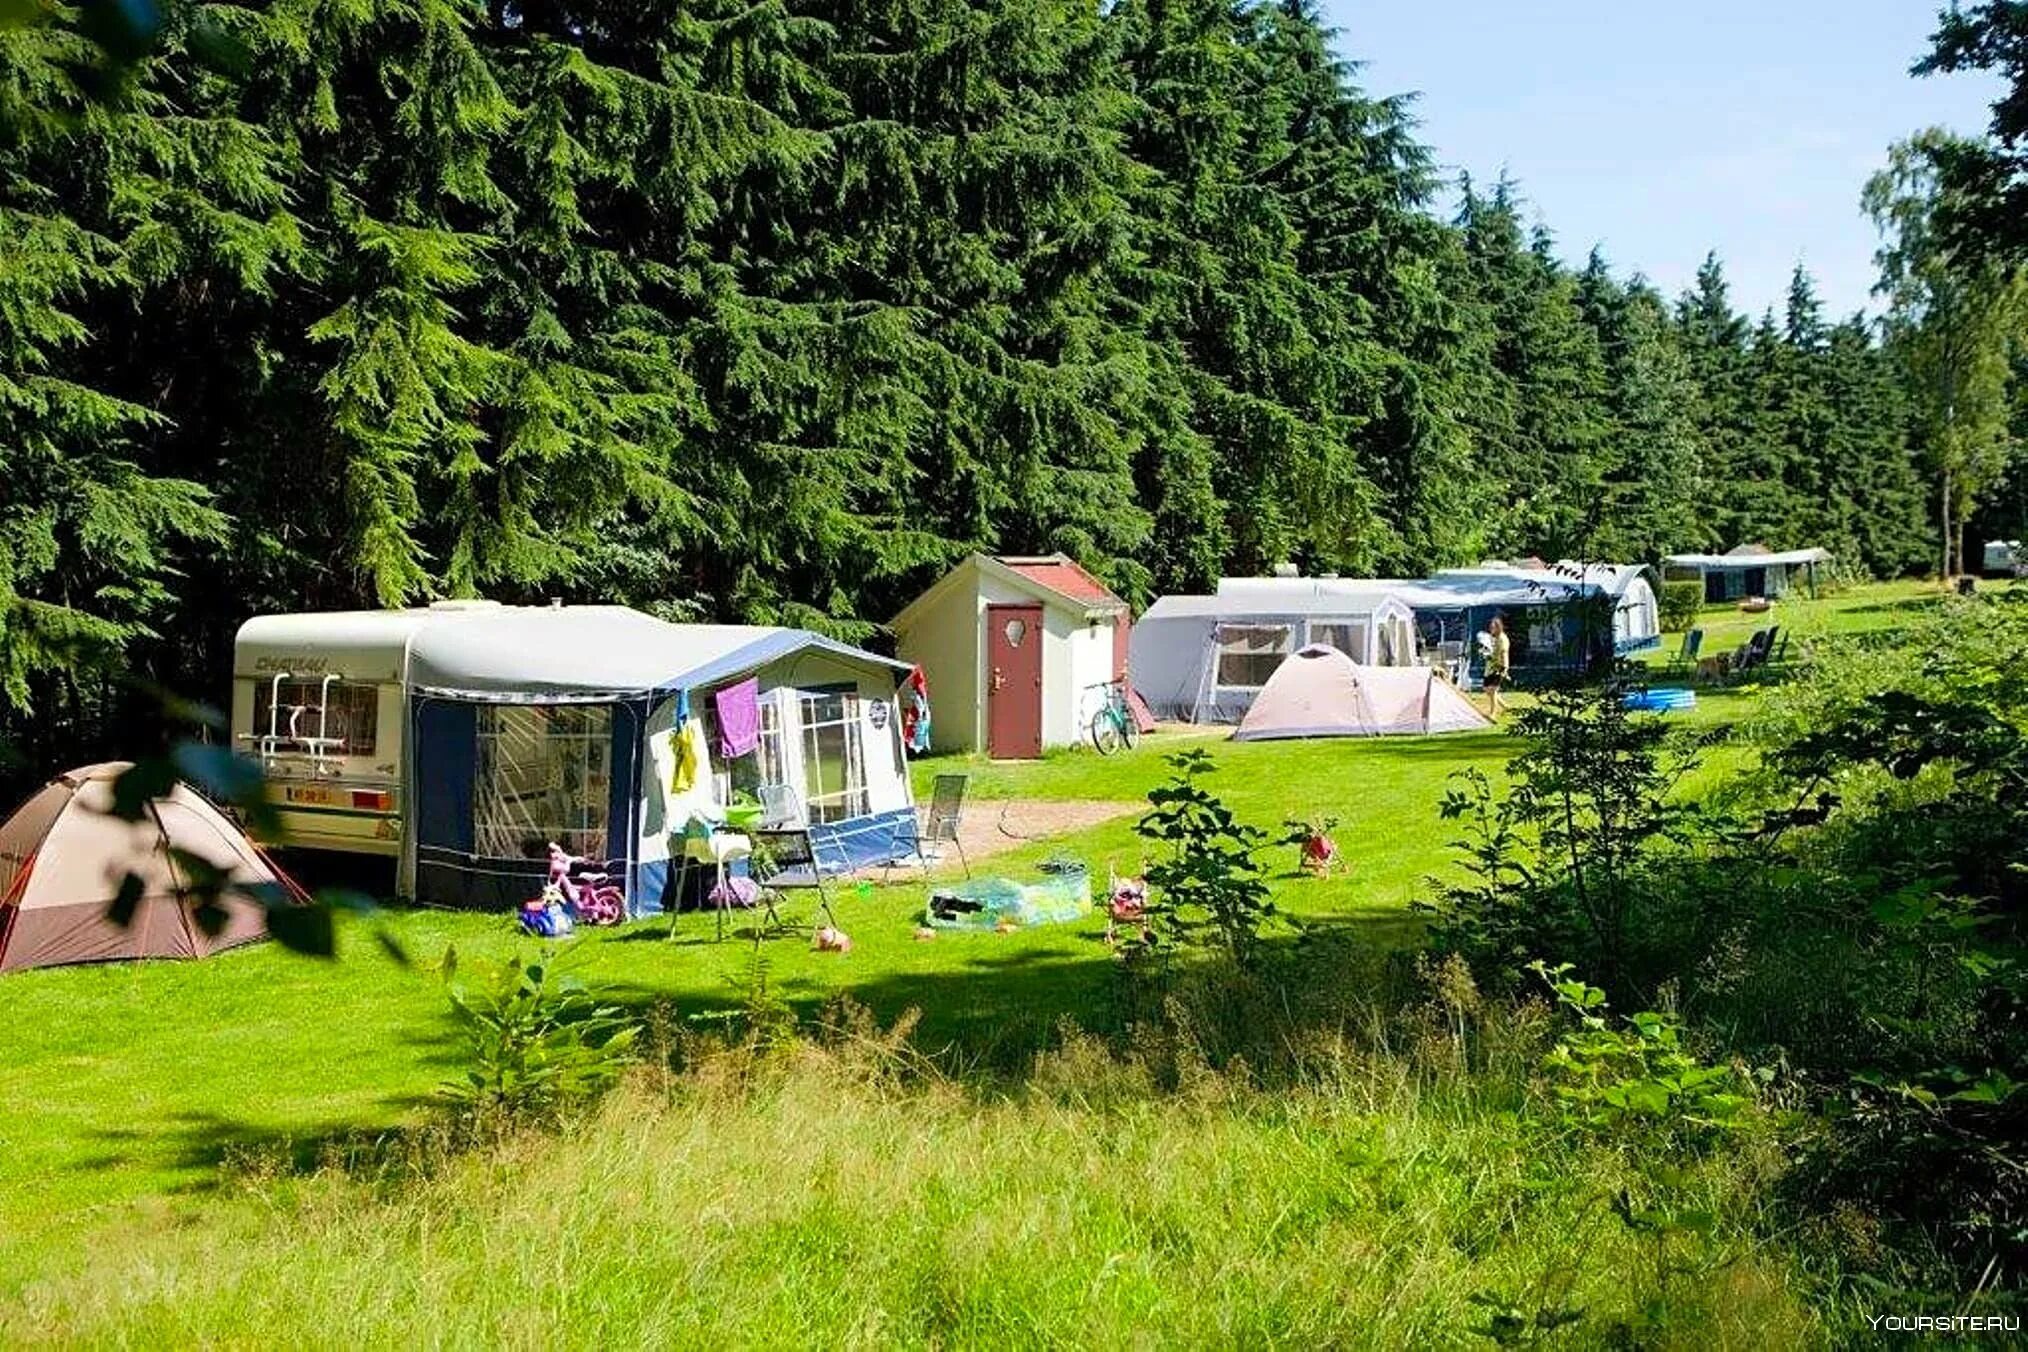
(1661, 701)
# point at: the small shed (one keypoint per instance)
(1205, 658)
(1017, 650)
(1748, 570)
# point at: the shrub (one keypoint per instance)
(1209, 886)
(1931, 1125)
(1637, 1083)
(537, 1045)
(1564, 863)
(1680, 601)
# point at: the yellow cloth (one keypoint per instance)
(691, 757)
(1497, 660)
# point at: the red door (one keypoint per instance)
(1014, 682)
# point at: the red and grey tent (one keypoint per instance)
(64, 856)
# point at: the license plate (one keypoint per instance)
(310, 794)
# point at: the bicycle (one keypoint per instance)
(1112, 727)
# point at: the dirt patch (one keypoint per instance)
(993, 826)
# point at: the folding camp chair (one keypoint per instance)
(784, 859)
(1693, 643)
(939, 826)
(1752, 653)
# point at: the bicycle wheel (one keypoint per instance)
(1129, 733)
(1105, 733)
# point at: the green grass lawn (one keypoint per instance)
(1878, 608)
(123, 1088)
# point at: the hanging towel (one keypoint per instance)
(915, 713)
(739, 717)
(691, 757)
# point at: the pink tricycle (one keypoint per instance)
(588, 888)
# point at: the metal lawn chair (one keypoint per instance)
(938, 826)
(785, 859)
(779, 807)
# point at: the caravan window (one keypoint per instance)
(545, 773)
(1347, 636)
(1249, 653)
(834, 758)
(353, 715)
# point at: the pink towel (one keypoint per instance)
(739, 717)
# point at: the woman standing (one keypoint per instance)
(1498, 656)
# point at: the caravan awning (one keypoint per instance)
(1721, 562)
(577, 653)
(1450, 589)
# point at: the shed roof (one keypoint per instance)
(1063, 575)
(1054, 579)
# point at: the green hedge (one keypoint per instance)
(1680, 602)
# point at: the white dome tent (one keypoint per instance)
(1320, 692)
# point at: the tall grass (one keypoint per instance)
(1387, 1188)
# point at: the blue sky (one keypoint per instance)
(1661, 131)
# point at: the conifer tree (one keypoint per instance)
(757, 312)
(1541, 418)
(1653, 481)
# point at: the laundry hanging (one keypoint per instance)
(738, 717)
(690, 756)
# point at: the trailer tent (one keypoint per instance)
(1555, 615)
(1748, 570)
(484, 731)
(1206, 658)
